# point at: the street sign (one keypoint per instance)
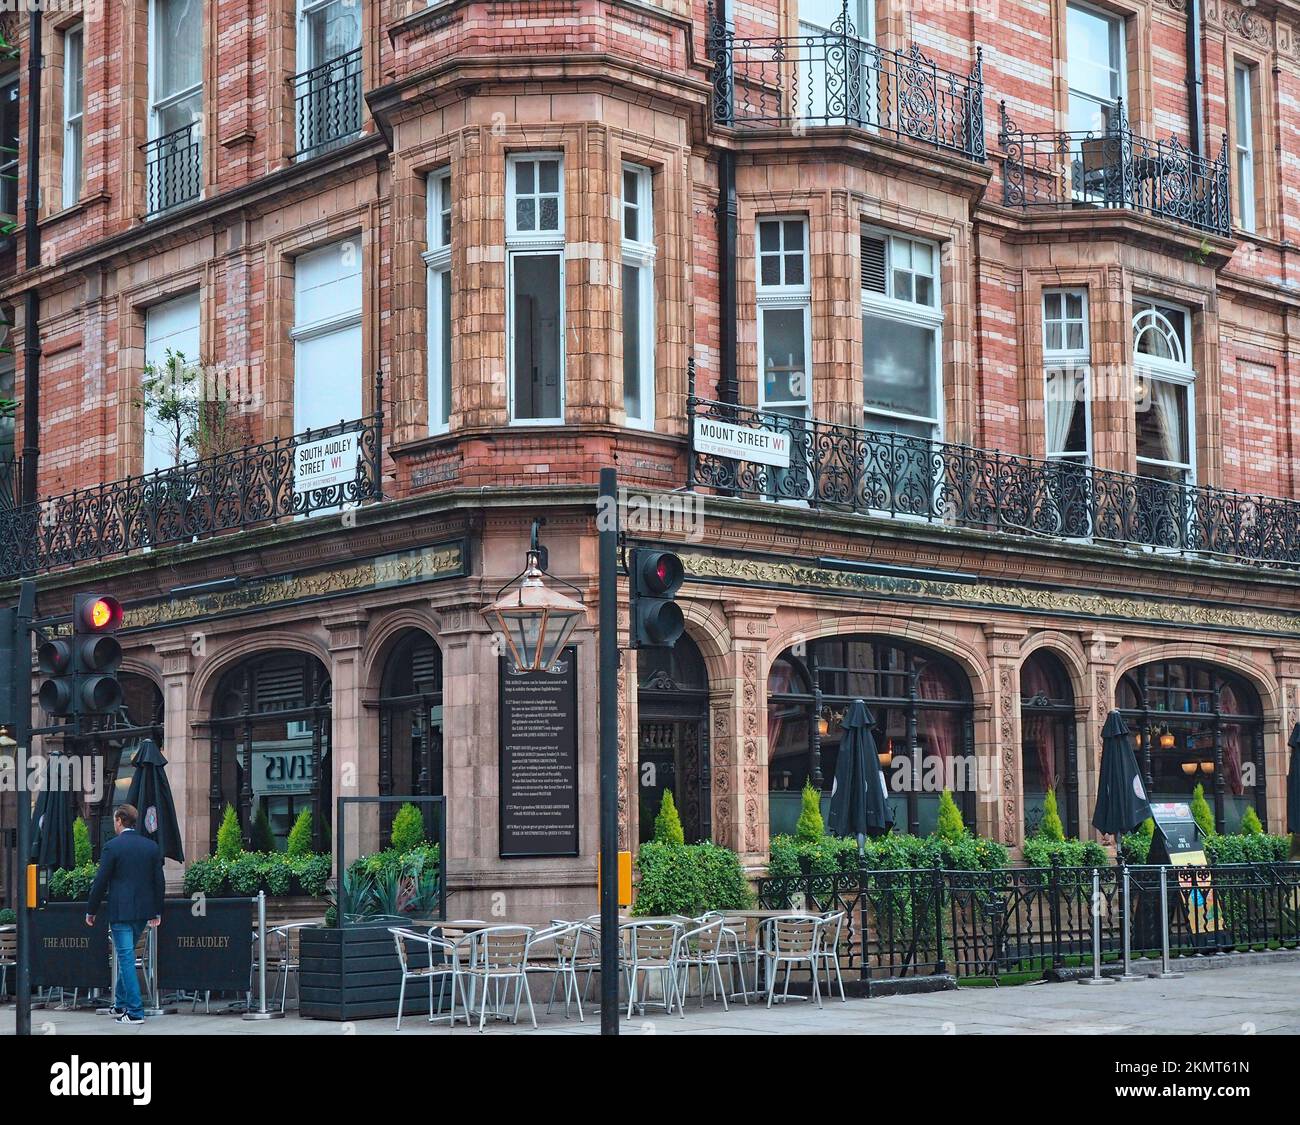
(324, 462)
(741, 443)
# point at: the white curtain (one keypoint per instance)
(1059, 409)
(1166, 404)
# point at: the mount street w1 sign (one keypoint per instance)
(741, 443)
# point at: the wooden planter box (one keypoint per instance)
(354, 974)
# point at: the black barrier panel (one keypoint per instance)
(211, 951)
(66, 953)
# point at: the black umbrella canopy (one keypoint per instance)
(1293, 782)
(151, 794)
(1121, 797)
(859, 797)
(53, 845)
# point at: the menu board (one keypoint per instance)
(539, 760)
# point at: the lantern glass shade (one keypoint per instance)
(1189, 768)
(1207, 767)
(7, 740)
(1167, 739)
(534, 622)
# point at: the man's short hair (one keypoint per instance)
(127, 814)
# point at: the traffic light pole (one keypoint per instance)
(607, 522)
(21, 685)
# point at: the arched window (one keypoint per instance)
(1197, 723)
(1165, 402)
(410, 723)
(673, 738)
(1048, 734)
(921, 702)
(271, 748)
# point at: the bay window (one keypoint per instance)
(784, 296)
(170, 388)
(1165, 402)
(638, 297)
(535, 287)
(437, 260)
(326, 336)
(73, 112)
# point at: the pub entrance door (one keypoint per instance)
(672, 743)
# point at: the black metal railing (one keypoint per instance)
(246, 488)
(10, 482)
(1115, 168)
(851, 469)
(1032, 920)
(327, 102)
(835, 78)
(173, 168)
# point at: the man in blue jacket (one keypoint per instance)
(131, 875)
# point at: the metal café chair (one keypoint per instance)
(576, 948)
(698, 948)
(449, 966)
(791, 940)
(288, 939)
(651, 947)
(497, 956)
(828, 949)
(733, 952)
(8, 955)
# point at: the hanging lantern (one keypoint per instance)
(534, 621)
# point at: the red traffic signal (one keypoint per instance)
(657, 619)
(96, 613)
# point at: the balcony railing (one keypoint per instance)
(250, 487)
(328, 103)
(833, 78)
(1116, 168)
(173, 168)
(844, 468)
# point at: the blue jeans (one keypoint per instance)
(127, 995)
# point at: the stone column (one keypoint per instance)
(186, 749)
(1001, 803)
(1277, 753)
(738, 708)
(353, 772)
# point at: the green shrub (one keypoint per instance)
(689, 879)
(277, 877)
(313, 873)
(950, 826)
(1050, 827)
(72, 884)
(300, 835)
(1250, 825)
(1255, 848)
(408, 829)
(81, 850)
(1201, 811)
(245, 874)
(263, 838)
(7, 917)
(668, 825)
(229, 840)
(895, 850)
(1039, 852)
(810, 825)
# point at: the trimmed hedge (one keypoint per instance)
(895, 850)
(689, 879)
(1040, 850)
(250, 872)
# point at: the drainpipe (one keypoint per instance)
(1195, 83)
(728, 384)
(32, 259)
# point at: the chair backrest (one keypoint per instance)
(500, 948)
(400, 938)
(831, 928)
(794, 934)
(650, 941)
(8, 943)
(703, 940)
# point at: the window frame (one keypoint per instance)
(639, 253)
(155, 308)
(306, 330)
(1182, 374)
(1243, 143)
(176, 97)
(783, 297)
(73, 162)
(438, 276)
(886, 306)
(1074, 360)
(539, 243)
(1117, 21)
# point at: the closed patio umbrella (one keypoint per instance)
(151, 794)
(1293, 782)
(1121, 797)
(52, 842)
(859, 797)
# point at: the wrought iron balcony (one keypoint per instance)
(847, 469)
(328, 103)
(173, 168)
(834, 78)
(1116, 168)
(250, 487)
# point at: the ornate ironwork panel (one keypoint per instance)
(173, 168)
(328, 103)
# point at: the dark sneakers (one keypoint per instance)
(130, 1020)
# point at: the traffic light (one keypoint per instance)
(81, 672)
(657, 619)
